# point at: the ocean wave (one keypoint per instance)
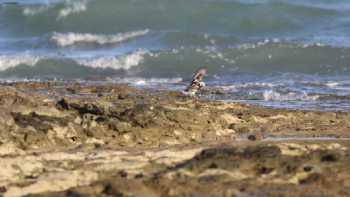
(124, 62)
(72, 7)
(265, 59)
(32, 11)
(271, 95)
(139, 81)
(66, 39)
(341, 85)
(9, 61)
(224, 17)
(63, 9)
(326, 5)
(253, 85)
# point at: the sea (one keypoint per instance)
(278, 53)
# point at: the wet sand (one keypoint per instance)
(71, 139)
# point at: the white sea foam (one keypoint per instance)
(32, 11)
(340, 85)
(115, 62)
(122, 62)
(8, 61)
(137, 81)
(69, 7)
(237, 87)
(270, 95)
(72, 7)
(216, 55)
(66, 39)
(332, 84)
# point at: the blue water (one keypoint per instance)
(279, 53)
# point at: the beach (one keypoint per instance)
(92, 102)
(73, 139)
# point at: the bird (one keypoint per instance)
(196, 82)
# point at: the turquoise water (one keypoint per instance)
(280, 53)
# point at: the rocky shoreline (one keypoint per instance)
(71, 139)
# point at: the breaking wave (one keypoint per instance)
(66, 39)
(256, 18)
(31, 11)
(258, 59)
(69, 7)
(271, 95)
(122, 62)
(38, 66)
(9, 61)
(72, 7)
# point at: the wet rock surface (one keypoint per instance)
(71, 139)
